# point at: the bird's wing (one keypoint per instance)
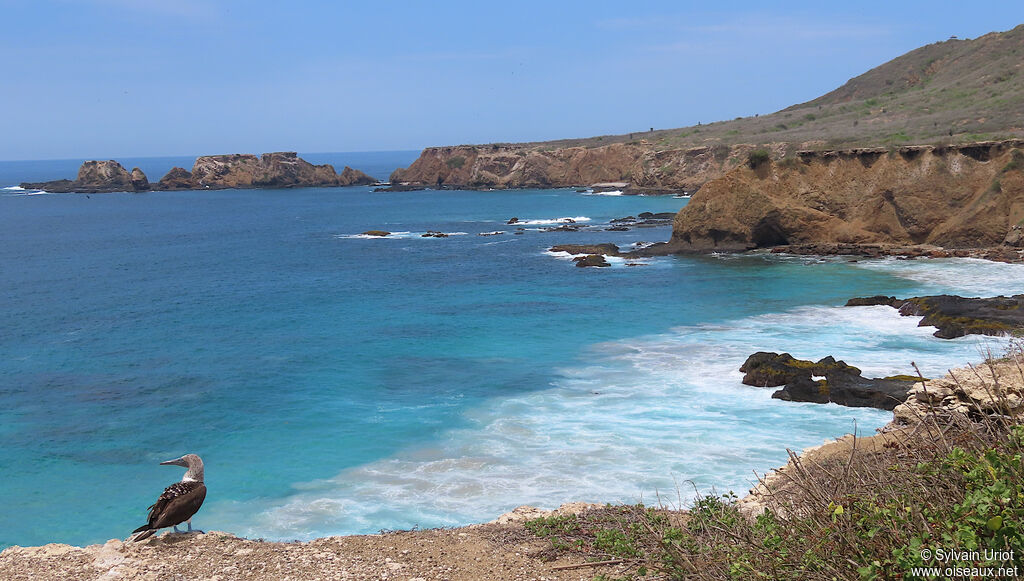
(177, 504)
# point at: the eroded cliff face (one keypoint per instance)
(969, 196)
(644, 168)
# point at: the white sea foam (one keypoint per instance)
(640, 419)
(608, 193)
(560, 255)
(30, 193)
(613, 261)
(392, 235)
(970, 276)
(395, 235)
(551, 221)
(20, 191)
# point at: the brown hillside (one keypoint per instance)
(972, 88)
(951, 92)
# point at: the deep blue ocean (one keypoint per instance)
(335, 383)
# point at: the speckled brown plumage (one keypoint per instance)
(176, 505)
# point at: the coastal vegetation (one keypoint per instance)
(942, 487)
(910, 503)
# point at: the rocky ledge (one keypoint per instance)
(823, 381)
(270, 170)
(1001, 253)
(956, 316)
(502, 549)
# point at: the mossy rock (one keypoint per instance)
(842, 384)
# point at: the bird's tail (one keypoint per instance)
(146, 533)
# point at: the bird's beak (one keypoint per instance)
(175, 462)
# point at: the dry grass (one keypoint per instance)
(875, 510)
(955, 91)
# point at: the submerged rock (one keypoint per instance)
(399, 188)
(824, 381)
(606, 249)
(380, 233)
(591, 260)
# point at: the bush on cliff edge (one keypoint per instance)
(872, 515)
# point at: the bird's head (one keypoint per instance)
(190, 461)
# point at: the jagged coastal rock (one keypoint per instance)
(606, 249)
(586, 260)
(270, 170)
(965, 395)
(98, 176)
(956, 316)
(969, 196)
(823, 381)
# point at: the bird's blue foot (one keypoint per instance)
(176, 529)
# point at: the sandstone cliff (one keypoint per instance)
(643, 167)
(969, 196)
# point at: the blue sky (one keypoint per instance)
(120, 78)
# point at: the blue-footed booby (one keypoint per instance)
(179, 501)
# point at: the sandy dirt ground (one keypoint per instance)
(496, 551)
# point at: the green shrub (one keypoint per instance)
(873, 515)
(1016, 162)
(758, 157)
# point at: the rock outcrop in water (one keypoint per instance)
(98, 176)
(271, 170)
(824, 381)
(968, 196)
(956, 316)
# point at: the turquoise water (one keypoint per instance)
(338, 384)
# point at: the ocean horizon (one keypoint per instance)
(378, 164)
(336, 383)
